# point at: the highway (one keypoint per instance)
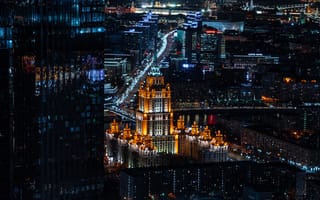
(134, 86)
(117, 106)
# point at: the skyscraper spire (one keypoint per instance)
(155, 71)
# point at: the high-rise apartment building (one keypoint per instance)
(201, 44)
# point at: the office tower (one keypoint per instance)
(140, 38)
(6, 98)
(209, 47)
(57, 123)
(5, 129)
(145, 29)
(190, 37)
(133, 41)
(71, 131)
(193, 30)
(150, 20)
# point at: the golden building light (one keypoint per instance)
(154, 116)
(126, 135)
(114, 127)
(194, 129)
(180, 123)
(206, 134)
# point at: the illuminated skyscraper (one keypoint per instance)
(154, 127)
(155, 137)
(154, 116)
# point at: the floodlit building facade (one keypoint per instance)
(156, 137)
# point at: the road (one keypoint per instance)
(134, 86)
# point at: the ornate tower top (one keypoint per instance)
(136, 139)
(180, 123)
(114, 127)
(206, 134)
(155, 71)
(126, 135)
(219, 137)
(147, 143)
(194, 129)
(218, 140)
(154, 106)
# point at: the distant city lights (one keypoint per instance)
(187, 66)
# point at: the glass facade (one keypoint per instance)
(6, 94)
(57, 114)
(70, 125)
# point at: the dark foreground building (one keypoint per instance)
(6, 99)
(229, 180)
(53, 96)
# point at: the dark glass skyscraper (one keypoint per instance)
(56, 85)
(70, 127)
(6, 97)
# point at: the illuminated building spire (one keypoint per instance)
(126, 135)
(147, 143)
(136, 139)
(180, 123)
(219, 137)
(114, 127)
(206, 134)
(218, 140)
(194, 129)
(155, 71)
(154, 105)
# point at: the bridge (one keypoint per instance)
(131, 116)
(300, 6)
(222, 108)
(120, 112)
(235, 111)
(315, 17)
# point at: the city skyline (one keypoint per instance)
(102, 97)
